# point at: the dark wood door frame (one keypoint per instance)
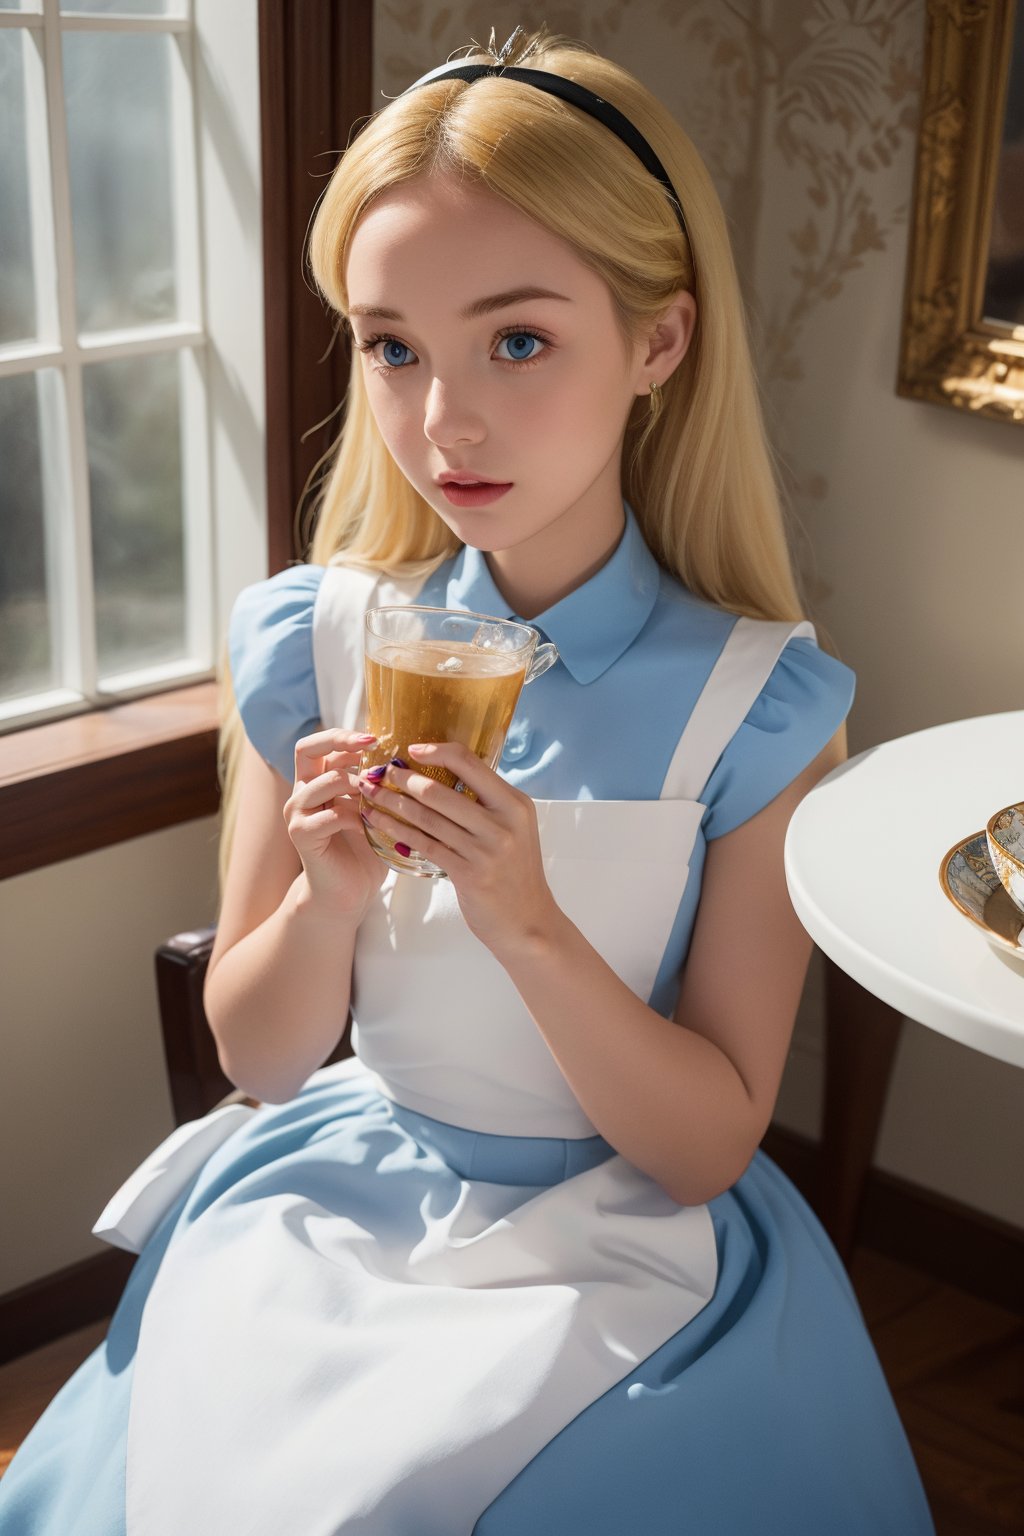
(316, 71)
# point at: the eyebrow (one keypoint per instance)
(472, 311)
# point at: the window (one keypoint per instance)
(131, 367)
(277, 90)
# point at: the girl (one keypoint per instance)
(517, 1264)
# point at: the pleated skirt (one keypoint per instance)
(766, 1413)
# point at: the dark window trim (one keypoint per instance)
(76, 785)
(316, 68)
(71, 786)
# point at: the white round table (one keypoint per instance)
(862, 863)
(862, 859)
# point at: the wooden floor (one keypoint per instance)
(955, 1365)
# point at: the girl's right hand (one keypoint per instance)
(323, 821)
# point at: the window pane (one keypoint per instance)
(120, 8)
(119, 146)
(26, 658)
(133, 429)
(17, 285)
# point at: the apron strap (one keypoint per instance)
(741, 671)
(343, 598)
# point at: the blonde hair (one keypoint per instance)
(698, 472)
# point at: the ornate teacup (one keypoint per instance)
(1005, 836)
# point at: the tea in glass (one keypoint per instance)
(437, 674)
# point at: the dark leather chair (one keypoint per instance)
(196, 1081)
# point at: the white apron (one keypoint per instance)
(411, 1375)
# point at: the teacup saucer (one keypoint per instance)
(968, 878)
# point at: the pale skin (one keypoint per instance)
(685, 1099)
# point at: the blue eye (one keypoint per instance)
(390, 347)
(520, 353)
(392, 358)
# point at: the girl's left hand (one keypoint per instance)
(489, 847)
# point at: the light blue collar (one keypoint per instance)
(593, 625)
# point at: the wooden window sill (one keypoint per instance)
(72, 786)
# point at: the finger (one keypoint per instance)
(324, 820)
(398, 808)
(471, 771)
(321, 790)
(344, 815)
(339, 815)
(349, 777)
(449, 805)
(311, 752)
(414, 839)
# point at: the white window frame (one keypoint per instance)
(219, 269)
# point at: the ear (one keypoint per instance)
(668, 342)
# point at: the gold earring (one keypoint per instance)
(656, 400)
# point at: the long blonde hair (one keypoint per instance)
(699, 474)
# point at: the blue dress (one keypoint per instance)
(768, 1411)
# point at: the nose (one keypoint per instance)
(449, 417)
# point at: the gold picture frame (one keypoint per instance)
(949, 353)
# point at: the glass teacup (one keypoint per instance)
(441, 674)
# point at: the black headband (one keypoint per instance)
(577, 96)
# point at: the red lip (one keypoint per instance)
(479, 495)
(467, 477)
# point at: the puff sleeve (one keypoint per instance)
(270, 644)
(805, 700)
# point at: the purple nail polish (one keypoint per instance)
(403, 849)
(376, 774)
(397, 762)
